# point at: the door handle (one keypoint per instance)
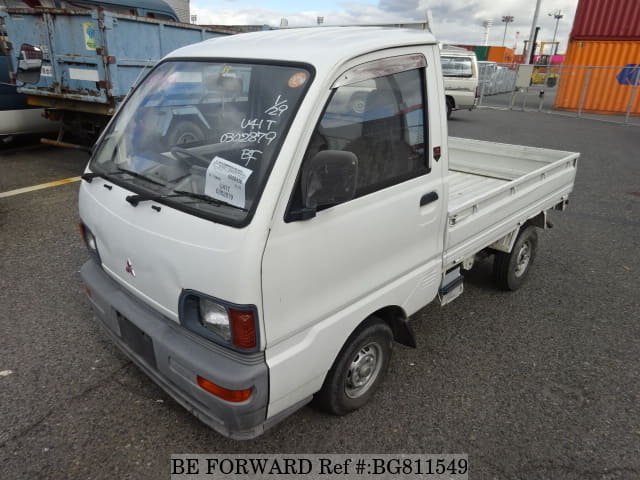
(428, 198)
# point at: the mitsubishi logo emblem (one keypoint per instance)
(129, 267)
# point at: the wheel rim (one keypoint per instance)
(364, 370)
(185, 138)
(358, 106)
(523, 259)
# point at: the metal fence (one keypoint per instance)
(605, 93)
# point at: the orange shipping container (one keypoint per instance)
(501, 55)
(602, 76)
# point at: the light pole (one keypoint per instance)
(487, 25)
(557, 14)
(530, 45)
(507, 19)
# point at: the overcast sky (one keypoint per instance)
(454, 21)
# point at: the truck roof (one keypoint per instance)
(319, 46)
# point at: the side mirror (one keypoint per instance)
(329, 178)
(29, 64)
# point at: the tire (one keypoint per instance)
(184, 132)
(449, 109)
(358, 103)
(358, 370)
(512, 269)
(551, 82)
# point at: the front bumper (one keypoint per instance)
(173, 357)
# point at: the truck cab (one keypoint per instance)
(276, 259)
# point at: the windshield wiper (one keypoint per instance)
(88, 177)
(143, 197)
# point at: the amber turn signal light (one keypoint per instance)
(234, 396)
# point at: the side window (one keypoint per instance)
(382, 121)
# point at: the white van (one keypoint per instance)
(278, 259)
(460, 73)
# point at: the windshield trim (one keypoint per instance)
(170, 202)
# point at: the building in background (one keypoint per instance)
(181, 7)
(483, 53)
(602, 65)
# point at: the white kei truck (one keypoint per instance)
(276, 261)
(460, 73)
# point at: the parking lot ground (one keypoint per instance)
(542, 383)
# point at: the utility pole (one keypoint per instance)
(557, 14)
(530, 44)
(533, 47)
(507, 19)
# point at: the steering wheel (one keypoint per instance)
(181, 153)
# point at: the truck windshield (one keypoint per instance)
(203, 128)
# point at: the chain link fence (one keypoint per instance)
(604, 93)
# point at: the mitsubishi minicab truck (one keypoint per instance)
(277, 261)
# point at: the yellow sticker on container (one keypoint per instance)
(90, 34)
(297, 79)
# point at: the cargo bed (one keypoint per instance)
(493, 187)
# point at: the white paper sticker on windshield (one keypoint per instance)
(226, 180)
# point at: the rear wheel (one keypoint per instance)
(358, 370)
(512, 269)
(449, 108)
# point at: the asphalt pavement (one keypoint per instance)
(542, 383)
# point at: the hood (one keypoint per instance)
(156, 253)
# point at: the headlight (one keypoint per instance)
(229, 324)
(214, 317)
(90, 241)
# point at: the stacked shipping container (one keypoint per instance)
(607, 20)
(491, 54)
(501, 55)
(602, 66)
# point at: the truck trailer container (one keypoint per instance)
(83, 62)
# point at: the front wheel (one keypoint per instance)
(511, 269)
(358, 370)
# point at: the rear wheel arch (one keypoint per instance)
(397, 319)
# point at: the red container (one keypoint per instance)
(607, 20)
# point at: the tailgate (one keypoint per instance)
(494, 187)
(71, 67)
